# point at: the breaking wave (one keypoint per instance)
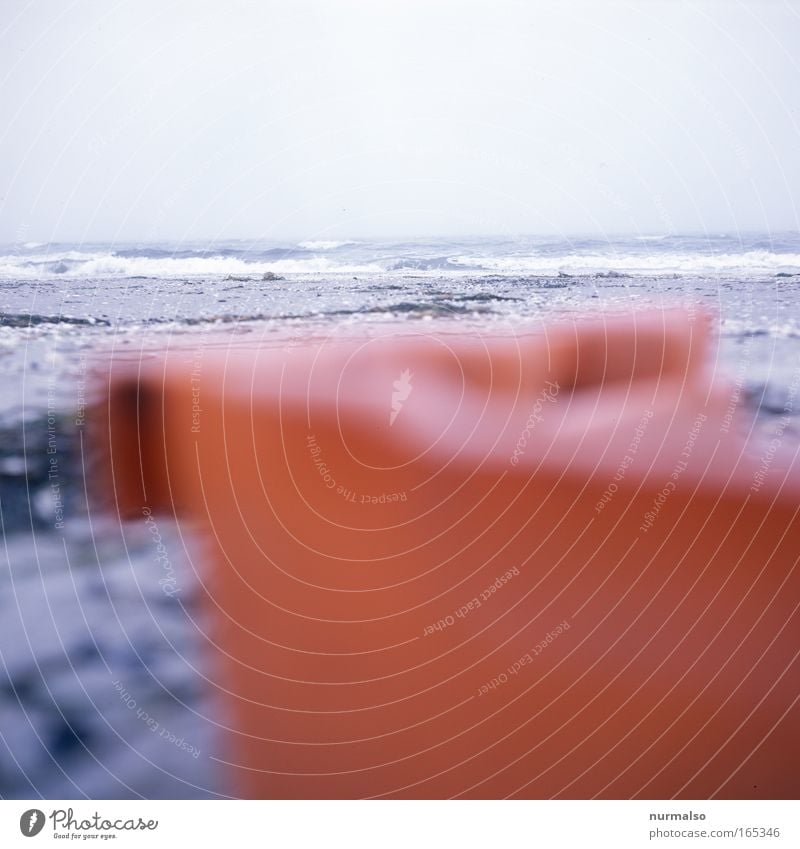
(104, 264)
(323, 245)
(646, 256)
(750, 262)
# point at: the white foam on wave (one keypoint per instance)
(323, 245)
(750, 262)
(81, 264)
(76, 264)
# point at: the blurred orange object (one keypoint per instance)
(533, 566)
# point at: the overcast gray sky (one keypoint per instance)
(142, 120)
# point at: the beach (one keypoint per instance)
(105, 693)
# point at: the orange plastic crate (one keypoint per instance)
(443, 565)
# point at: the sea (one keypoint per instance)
(102, 687)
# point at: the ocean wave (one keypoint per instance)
(636, 258)
(750, 262)
(434, 263)
(102, 264)
(324, 245)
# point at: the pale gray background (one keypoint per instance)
(150, 119)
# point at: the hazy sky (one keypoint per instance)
(142, 120)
